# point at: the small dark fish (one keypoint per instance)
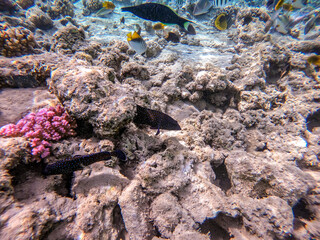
(155, 119)
(122, 20)
(172, 37)
(79, 162)
(157, 13)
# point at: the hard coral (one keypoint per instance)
(16, 41)
(48, 124)
(39, 18)
(66, 38)
(92, 5)
(61, 8)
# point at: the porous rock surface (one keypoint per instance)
(244, 166)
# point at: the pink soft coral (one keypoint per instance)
(48, 124)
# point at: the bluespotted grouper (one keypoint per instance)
(79, 162)
(157, 12)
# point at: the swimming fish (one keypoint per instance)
(155, 119)
(299, 3)
(221, 3)
(136, 42)
(158, 26)
(311, 23)
(279, 5)
(122, 20)
(172, 37)
(191, 30)
(314, 59)
(202, 7)
(77, 163)
(223, 21)
(287, 7)
(282, 24)
(107, 8)
(158, 13)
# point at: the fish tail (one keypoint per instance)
(119, 154)
(125, 9)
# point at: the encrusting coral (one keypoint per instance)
(16, 41)
(48, 124)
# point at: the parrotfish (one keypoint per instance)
(158, 13)
(79, 162)
(155, 119)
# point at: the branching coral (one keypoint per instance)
(16, 41)
(48, 124)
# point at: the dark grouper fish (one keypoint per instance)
(155, 119)
(158, 13)
(79, 162)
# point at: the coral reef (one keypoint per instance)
(245, 164)
(16, 41)
(61, 8)
(28, 71)
(39, 18)
(91, 6)
(48, 124)
(65, 40)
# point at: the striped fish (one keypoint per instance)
(222, 3)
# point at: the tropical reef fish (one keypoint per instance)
(136, 42)
(79, 162)
(158, 13)
(202, 7)
(155, 119)
(299, 3)
(223, 21)
(122, 20)
(279, 5)
(107, 8)
(221, 3)
(172, 37)
(314, 59)
(158, 26)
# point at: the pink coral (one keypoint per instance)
(48, 124)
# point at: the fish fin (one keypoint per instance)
(135, 35)
(158, 131)
(129, 36)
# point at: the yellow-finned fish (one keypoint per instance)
(158, 26)
(314, 59)
(107, 8)
(279, 5)
(136, 42)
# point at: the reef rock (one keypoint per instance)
(91, 94)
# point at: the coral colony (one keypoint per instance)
(48, 124)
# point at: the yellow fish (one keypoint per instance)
(314, 59)
(108, 5)
(136, 42)
(158, 26)
(279, 5)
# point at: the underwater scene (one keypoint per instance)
(160, 119)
